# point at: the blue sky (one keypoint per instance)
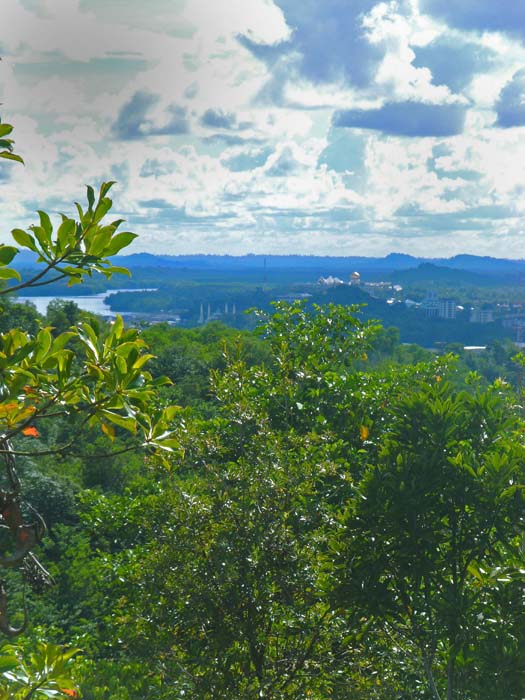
(341, 127)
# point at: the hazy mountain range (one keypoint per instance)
(395, 267)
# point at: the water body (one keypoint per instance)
(94, 303)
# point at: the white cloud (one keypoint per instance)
(275, 175)
(394, 31)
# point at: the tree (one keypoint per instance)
(427, 548)
(36, 673)
(94, 379)
(216, 574)
(332, 531)
(61, 314)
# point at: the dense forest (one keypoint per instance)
(308, 509)
(342, 517)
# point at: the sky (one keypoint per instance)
(319, 127)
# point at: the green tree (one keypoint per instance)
(330, 532)
(61, 314)
(79, 374)
(216, 574)
(426, 548)
(36, 672)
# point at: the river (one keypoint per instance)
(95, 303)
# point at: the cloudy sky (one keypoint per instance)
(273, 126)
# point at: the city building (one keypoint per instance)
(430, 305)
(447, 308)
(481, 315)
(330, 281)
(434, 307)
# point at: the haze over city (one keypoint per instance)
(273, 126)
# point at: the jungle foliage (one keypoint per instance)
(330, 527)
(324, 514)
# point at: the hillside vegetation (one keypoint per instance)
(306, 510)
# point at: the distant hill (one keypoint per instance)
(389, 264)
(396, 267)
(430, 274)
(484, 265)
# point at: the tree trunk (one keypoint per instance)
(451, 667)
(430, 679)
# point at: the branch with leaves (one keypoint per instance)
(97, 378)
(78, 248)
(6, 144)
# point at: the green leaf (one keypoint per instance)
(44, 340)
(142, 360)
(118, 327)
(105, 187)
(119, 241)
(114, 270)
(45, 223)
(5, 129)
(7, 273)
(41, 237)
(90, 197)
(7, 253)
(121, 364)
(103, 207)
(11, 156)
(62, 340)
(74, 279)
(99, 242)
(8, 663)
(88, 337)
(65, 234)
(125, 349)
(125, 422)
(170, 412)
(168, 444)
(108, 430)
(24, 239)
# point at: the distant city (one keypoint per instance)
(466, 299)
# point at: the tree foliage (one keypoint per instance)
(94, 378)
(332, 531)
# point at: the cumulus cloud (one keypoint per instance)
(247, 160)
(134, 121)
(191, 91)
(454, 61)
(510, 106)
(36, 6)
(230, 140)
(6, 172)
(327, 43)
(284, 164)
(406, 119)
(220, 119)
(153, 167)
(96, 74)
(132, 116)
(345, 153)
(482, 15)
(217, 119)
(224, 136)
(175, 214)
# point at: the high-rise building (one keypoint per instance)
(447, 308)
(430, 305)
